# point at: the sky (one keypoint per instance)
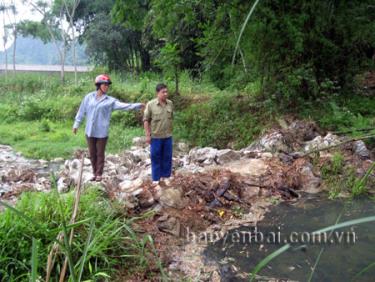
(24, 12)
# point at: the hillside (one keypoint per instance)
(34, 51)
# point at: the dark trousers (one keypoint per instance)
(96, 150)
(161, 157)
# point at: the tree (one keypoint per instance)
(8, 9)
(113, 45)
(51, 28)
(3, 10)
(69, 8)
(13, 25)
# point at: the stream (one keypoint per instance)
(344, 255)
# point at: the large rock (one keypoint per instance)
(359, 147)
(248, 167)
(309, 182)
(227, 155)
(203, 155)
(172, 198)
(320, 143)
(272, 142)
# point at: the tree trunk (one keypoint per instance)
(5, 40)
(74, 52)
(14, 50)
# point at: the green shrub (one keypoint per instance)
(224, 119)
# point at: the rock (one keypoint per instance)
(320, 143)
(127, 159)
(146, 199)
(248, 193)
(74, 165)
(273, 142)
(130, 185)
(201, 155)
(215, 277)
(309, 182)
(182, 147)
(140, 155)
(316, 143)
(136, 192)
(266, 155)
(58, 160)
(140, 142)
(250, 167)
(63, 184)
(121, 170)
(169, 225)
(43, 162)
(285, 158)
(359, 147)
(157, 192)
(171, 197)
(227, 155)
(86, 162)
(303, 130)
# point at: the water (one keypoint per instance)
(346, 253)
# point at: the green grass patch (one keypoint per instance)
(47, 140)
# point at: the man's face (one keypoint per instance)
(163, 94)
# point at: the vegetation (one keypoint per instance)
(35, 111)
(341, 178)
(103, 238)
(233, 67)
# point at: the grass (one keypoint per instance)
(34, 141)
(103, 242)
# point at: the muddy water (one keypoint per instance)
(345, 253)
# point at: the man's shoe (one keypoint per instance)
(98, 178)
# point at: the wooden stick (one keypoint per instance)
(354, 130)
(74, 215)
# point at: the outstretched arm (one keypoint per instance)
(117, 105)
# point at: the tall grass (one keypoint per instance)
(103, 239)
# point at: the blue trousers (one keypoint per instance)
(161, 157)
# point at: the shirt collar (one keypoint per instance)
(104, 96)
(158, 102)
